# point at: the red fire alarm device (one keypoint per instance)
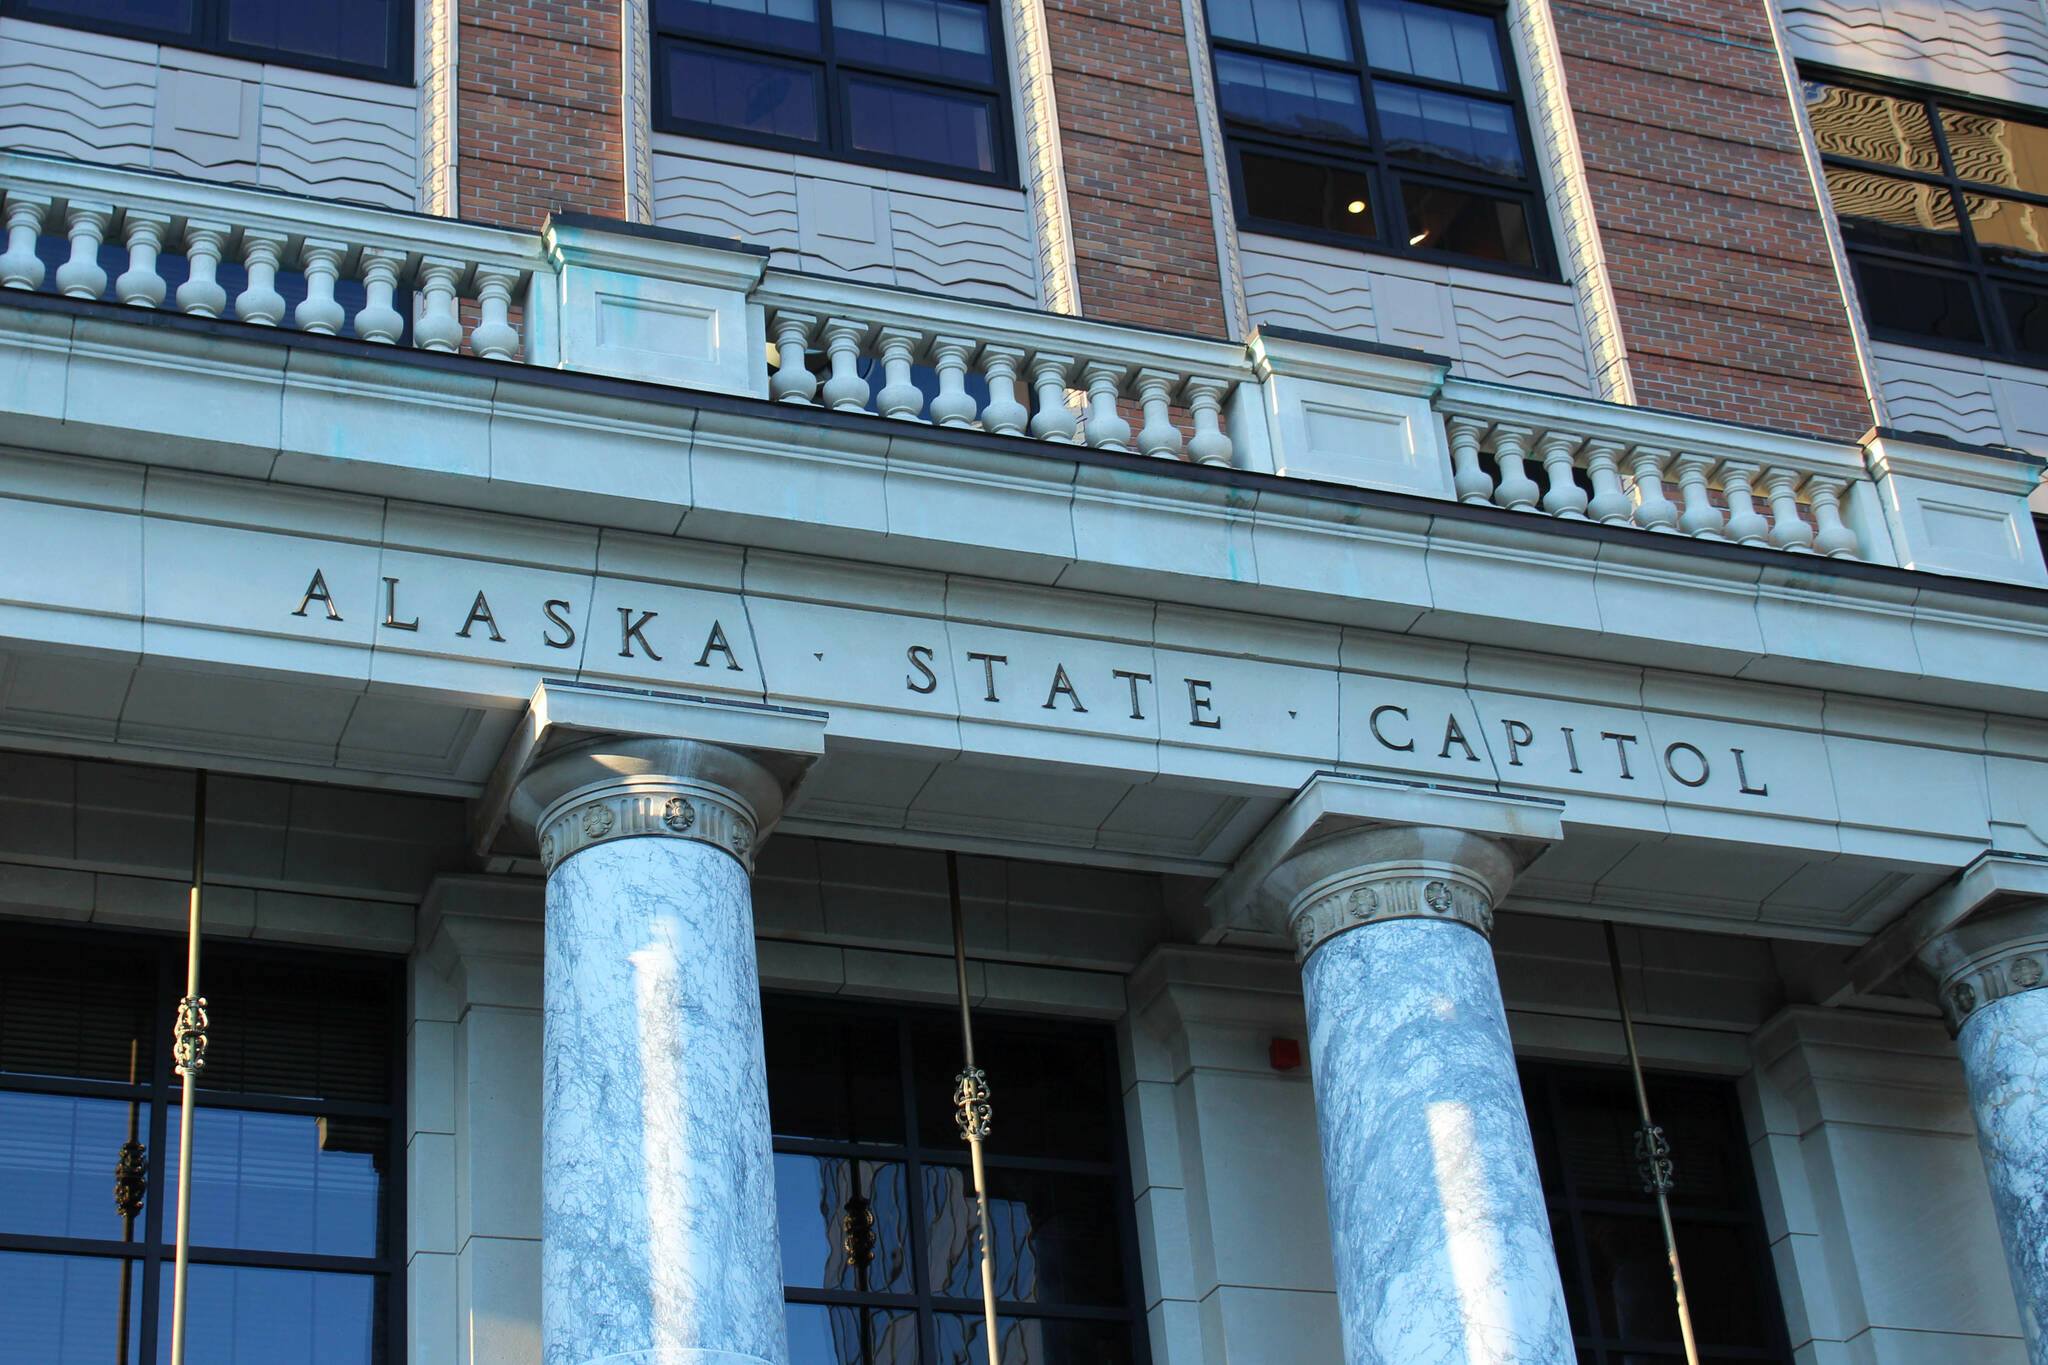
(1285, 1053)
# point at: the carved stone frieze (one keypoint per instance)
(666, 808)
(1989, 979)
(1407, 892)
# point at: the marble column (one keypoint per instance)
(657, 1179)
(1437, 1223)
(1991, 973)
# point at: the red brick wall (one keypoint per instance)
(1714, 240)
(1144, 243)
(538, 110)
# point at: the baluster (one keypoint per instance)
(1106, 428)
(82, 277)
(954, 406)
(793, 381)
(1517, 491)
(1209, 445)
(320, 312)
(1654, 511)
(847, 388)
(1789, 530)
(1746, 526)
(494, 337)
(140, 285)
(1609, 505)
(1836, 539)
(377, 320)
(1564, 499)
(900, 398)
(1054, 420)
(1701, 519)
(201, 294)
(1004, 415)
(1159, 437)
(1469, 479)
(20, 267)
(260, 303)
(436, 325)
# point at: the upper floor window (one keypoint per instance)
(1385, 124)
(1944, 211)
(915, 84)
(371, 38)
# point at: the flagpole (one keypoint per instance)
(971, 1098)
(189, 1049)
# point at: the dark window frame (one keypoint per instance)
(153, 1250)
(1982, 278)
(915, 1156)
(1383, 170)
(209, 34)
(833, 73)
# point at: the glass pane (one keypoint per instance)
(1055, 1237)
(832, 1076)
(1568, 1271)
(1997, 151)
(1327, 197)
(240, 1315)
(1050, 1090)
(734, 92)
(821, 1335)
(1451, 130)
(1303, 100)
(1631, 1277)
(1920, 302)
(771, 23)
(1721, 1283)
(66, 1310)
(1871, 127)
(2026, 317)
(1904, 215)
(923, 125)
(163, 16)
(843, 1223)
(1317, 27)
(319, 1031)
(921, 37)
(1468, 223)
(356, 31)
(284, 1182)
(1442, 44)
(69, 1010)
(1710, 1169)
(2009, 233)
(1033, 1341)
(64, 1162)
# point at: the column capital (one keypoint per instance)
(1986, 958)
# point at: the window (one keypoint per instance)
(872, 1194)
(370, 38)
(297, 1156)
(1610, 1245)
(1944, 210)
(1384, 124)
(916, 84)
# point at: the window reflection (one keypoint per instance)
(243, 1315)
(963, 1340)
(843, 1223)
(822, 1335)
(1052, 1243)
(67, 1310)
(60, 1158)
(284, 1182)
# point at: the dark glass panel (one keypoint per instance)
(1597, 1109)
(310, 1029)
(1995, 150)
(2026, 317)
(241, 1315)
(1450, 130)
(1467, 222)
(1720, 1285)
(1920, 302)
(284, 1182)
(921, 125)
(827, 1207)
(170, 17)
(1709, 1169)
(1304, 100)
(1856, 123)
(1055, 1241)
(66, 1310)
(743, 94)
(1441, 44)
(1288, 191)
(1885, 211)
(1568, 1271)
(69, 1009)
(58, 1156)
(1631, 1277)
(945, 38)
(2009, 232)
(1033, 1341)
(1051, 1090)
(832, 1076)
(819, 1335)
(354, 31)
(1316, 27)
(755, 23)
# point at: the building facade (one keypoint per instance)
(1332, 546)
